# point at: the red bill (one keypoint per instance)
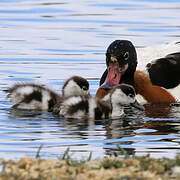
(113, 77)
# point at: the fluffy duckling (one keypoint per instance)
(32, 96)
(95, 108)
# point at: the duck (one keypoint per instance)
(80, 106)
(31, 96)
(122, 69)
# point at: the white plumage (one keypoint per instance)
(150, 53)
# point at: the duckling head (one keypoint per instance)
(124, 94)
(75, 85)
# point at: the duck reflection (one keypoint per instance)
(110, 136)
(157, 110)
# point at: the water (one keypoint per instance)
(48, 41)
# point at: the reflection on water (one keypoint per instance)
(47, 42)
(25, 131)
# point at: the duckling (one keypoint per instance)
(91, 107)
(32, 96)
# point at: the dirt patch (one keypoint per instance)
(138, 168)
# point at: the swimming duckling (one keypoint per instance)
(32, 96)
(95, 108)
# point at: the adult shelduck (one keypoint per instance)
(121, 61)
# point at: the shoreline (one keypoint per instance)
(108, 168)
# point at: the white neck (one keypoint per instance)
(117, 111)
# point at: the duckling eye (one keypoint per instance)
(126, 55)
(84, 88)
(131, 95)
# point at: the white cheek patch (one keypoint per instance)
(116, 97)
(119, 97)
(72, 89)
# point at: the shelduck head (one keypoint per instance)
(165, 72)
(75, 85)
(121, 62)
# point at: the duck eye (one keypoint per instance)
(84, 88)
(126, 55)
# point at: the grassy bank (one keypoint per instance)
(136, 168)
